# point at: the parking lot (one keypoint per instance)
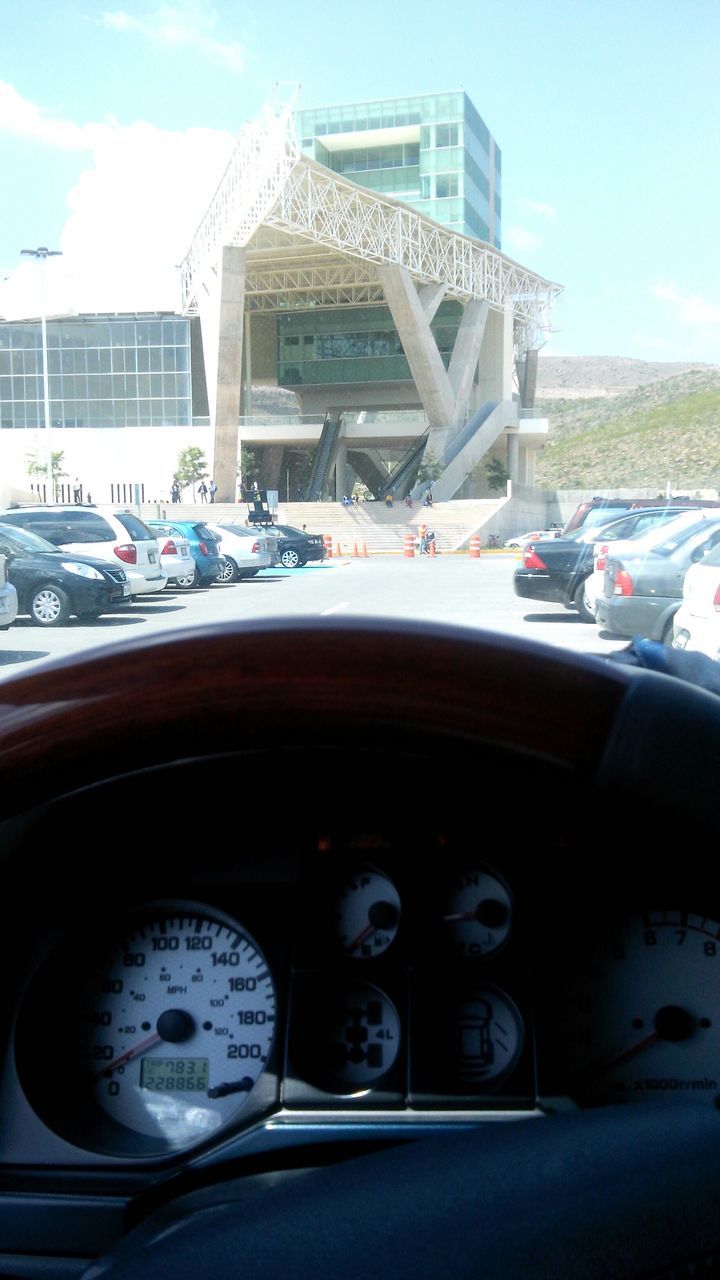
(452, 589)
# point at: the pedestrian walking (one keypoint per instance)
(409, 502)
(202, 490)
(212, 490)
(175, 491)
(77, 491)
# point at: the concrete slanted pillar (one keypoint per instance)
(527, 378)
(466, 353)
(221, 305)
(431, 295)
(426, 366)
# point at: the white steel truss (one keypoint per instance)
(269, 188)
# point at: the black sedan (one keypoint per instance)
(556, 569)
(51, 584)
(295, 547)
(643, 592)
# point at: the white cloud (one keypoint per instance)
(543, 210)
(131, 214)
(191, 23)
(520, 239)
(689, 308)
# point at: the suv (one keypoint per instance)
(599, 510)
(110, 536)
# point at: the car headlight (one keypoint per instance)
(82, 570)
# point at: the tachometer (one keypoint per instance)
(170, 1034)
(643, 1019)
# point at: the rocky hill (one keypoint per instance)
(659, 432)
(578, 377)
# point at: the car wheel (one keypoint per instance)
(230, 573)
(585, 612)
(290, 559)
(49, 607)
(188, 580)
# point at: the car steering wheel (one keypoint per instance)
(615, 1192)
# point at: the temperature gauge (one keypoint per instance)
(368, 914)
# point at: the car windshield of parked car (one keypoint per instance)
(20, 542)
(688, 539)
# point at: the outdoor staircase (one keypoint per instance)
(381, 529)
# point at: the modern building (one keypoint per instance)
(349, 263)
(433, 151)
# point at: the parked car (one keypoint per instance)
(559, 570)
(521, 540)
(246, 551)
(208, 560)
(52, 585)
(175, 557)
(109, 535)
(8, 598)
(595, 510)
(696, 625)
(643, 591)
(295, 547)
(644, 539)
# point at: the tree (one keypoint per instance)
(36, 468)
(497, 473)
(191, 467)
(248, 467)
(430, 468)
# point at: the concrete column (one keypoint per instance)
(272, 467)
(527, 378)
(496, 357)
(512, 456)
(221, 308)
(466, 352)
(341, 470)
(426, 366)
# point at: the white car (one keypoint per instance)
(246, 550)
(8, 599)
(114, 536)
(696, 625)
(176, 559)
(644, 540)
(537, 535)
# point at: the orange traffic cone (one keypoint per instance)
(432, 551)
(328, 546)
(338, 552)
(364, 550)
(355, 550)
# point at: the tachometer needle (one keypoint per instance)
(631, 1052)
(369, 928)
(128, 1055)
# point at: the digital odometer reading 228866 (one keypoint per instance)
(181, 1025)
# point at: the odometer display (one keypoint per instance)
(175, 1075)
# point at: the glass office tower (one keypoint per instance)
(432, 151)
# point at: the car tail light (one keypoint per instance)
(255, 548)
(127, 553)
(623, 583)
(716, 600)
(531, 559)
(204, 549)
(601, 557)
(169, 549)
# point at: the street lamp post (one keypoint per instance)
(41, 254)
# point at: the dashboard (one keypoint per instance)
(433, 929)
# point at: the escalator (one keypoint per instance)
(402, 477)
(325, 455)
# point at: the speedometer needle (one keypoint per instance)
(369, 928)
(128, 1055)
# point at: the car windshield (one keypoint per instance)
(355, 368)
(20, 542)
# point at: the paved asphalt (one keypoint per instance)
(452, 589)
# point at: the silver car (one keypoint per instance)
(8, 599)
(246, 550)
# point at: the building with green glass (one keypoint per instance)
(432, 151)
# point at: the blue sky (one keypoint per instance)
(116, 120)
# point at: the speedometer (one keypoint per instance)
(171, 1031)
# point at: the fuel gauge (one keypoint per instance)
(368, 914)
(478, 913)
